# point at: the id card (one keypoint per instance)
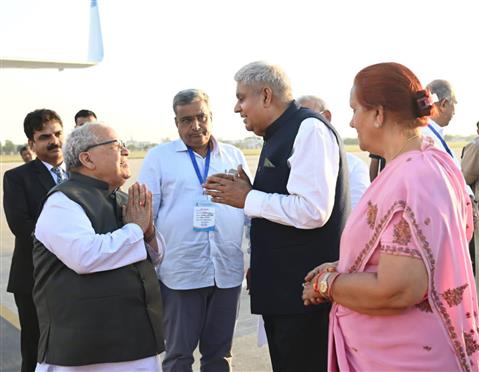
(204, 216)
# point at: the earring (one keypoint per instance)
(377, 125)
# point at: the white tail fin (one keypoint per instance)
(95, 44)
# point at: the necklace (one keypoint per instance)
(403, 146)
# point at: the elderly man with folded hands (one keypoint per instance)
(96, 293)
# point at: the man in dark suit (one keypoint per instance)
(24, 189)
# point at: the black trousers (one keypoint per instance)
(299, 342)
(29, 332)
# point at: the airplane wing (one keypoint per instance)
(32, 63)
(95, 50)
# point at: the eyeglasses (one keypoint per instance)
(119, 144)
(188, 120)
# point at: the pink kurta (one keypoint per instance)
(416, 207)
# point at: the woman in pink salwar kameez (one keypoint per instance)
(403, 292)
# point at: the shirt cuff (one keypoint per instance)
(156, 256)
(136, 233)
(254, 203)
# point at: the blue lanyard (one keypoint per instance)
(195, 165)
(444, 144)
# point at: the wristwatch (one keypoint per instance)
(323, 285)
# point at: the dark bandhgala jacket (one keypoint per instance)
(281, 255)
(103, 317)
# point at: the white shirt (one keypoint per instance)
(65, 230)
(314, 167)
(194, 259)
(359, 181)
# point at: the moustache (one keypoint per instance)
(52, 146)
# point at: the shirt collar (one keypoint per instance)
(49, 166)
(81, 178)
(437, 127)
(284, 118)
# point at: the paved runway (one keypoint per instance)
(9, 351)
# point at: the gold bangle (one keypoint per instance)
(332, 280)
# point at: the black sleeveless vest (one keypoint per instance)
(103, 317)
(281, 256)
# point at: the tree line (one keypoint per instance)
(8, 147)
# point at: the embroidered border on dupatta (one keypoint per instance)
(397, 250)
(436, 298)
(378, 227)
(366, 251)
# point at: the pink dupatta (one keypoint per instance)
(427, 188)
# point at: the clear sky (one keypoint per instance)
(154, 48)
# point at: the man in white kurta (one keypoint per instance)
(107, 272)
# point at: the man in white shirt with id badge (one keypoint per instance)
(203, 267)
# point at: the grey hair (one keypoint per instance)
(77, 142)
(187, 96)
(442, 88)
(261, 74)
(318, 102)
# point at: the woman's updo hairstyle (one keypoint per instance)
(395, 88)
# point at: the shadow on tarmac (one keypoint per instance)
(10, 360)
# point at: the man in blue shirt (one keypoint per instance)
(203, 268)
